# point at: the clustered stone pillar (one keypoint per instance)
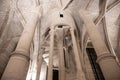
(19, 61)
(80, 73)
(50, 65)
(106, 60)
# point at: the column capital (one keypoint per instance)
(52, 30)
(72, 29)
(52, 27)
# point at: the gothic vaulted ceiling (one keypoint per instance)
(14, 14)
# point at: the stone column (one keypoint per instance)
(19, 61)
(60, 35)
(106, 60)
(50, 65)
(80, 73)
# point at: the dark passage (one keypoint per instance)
(55, 75)
(95, 67)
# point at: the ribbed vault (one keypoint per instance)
(15, 14)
